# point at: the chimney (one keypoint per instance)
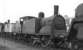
(56, 8)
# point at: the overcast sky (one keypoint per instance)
(14, 9)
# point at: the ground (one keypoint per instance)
(7, 44)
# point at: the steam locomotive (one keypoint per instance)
(27, 29)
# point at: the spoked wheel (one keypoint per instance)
(45, 41)
(36, 41)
